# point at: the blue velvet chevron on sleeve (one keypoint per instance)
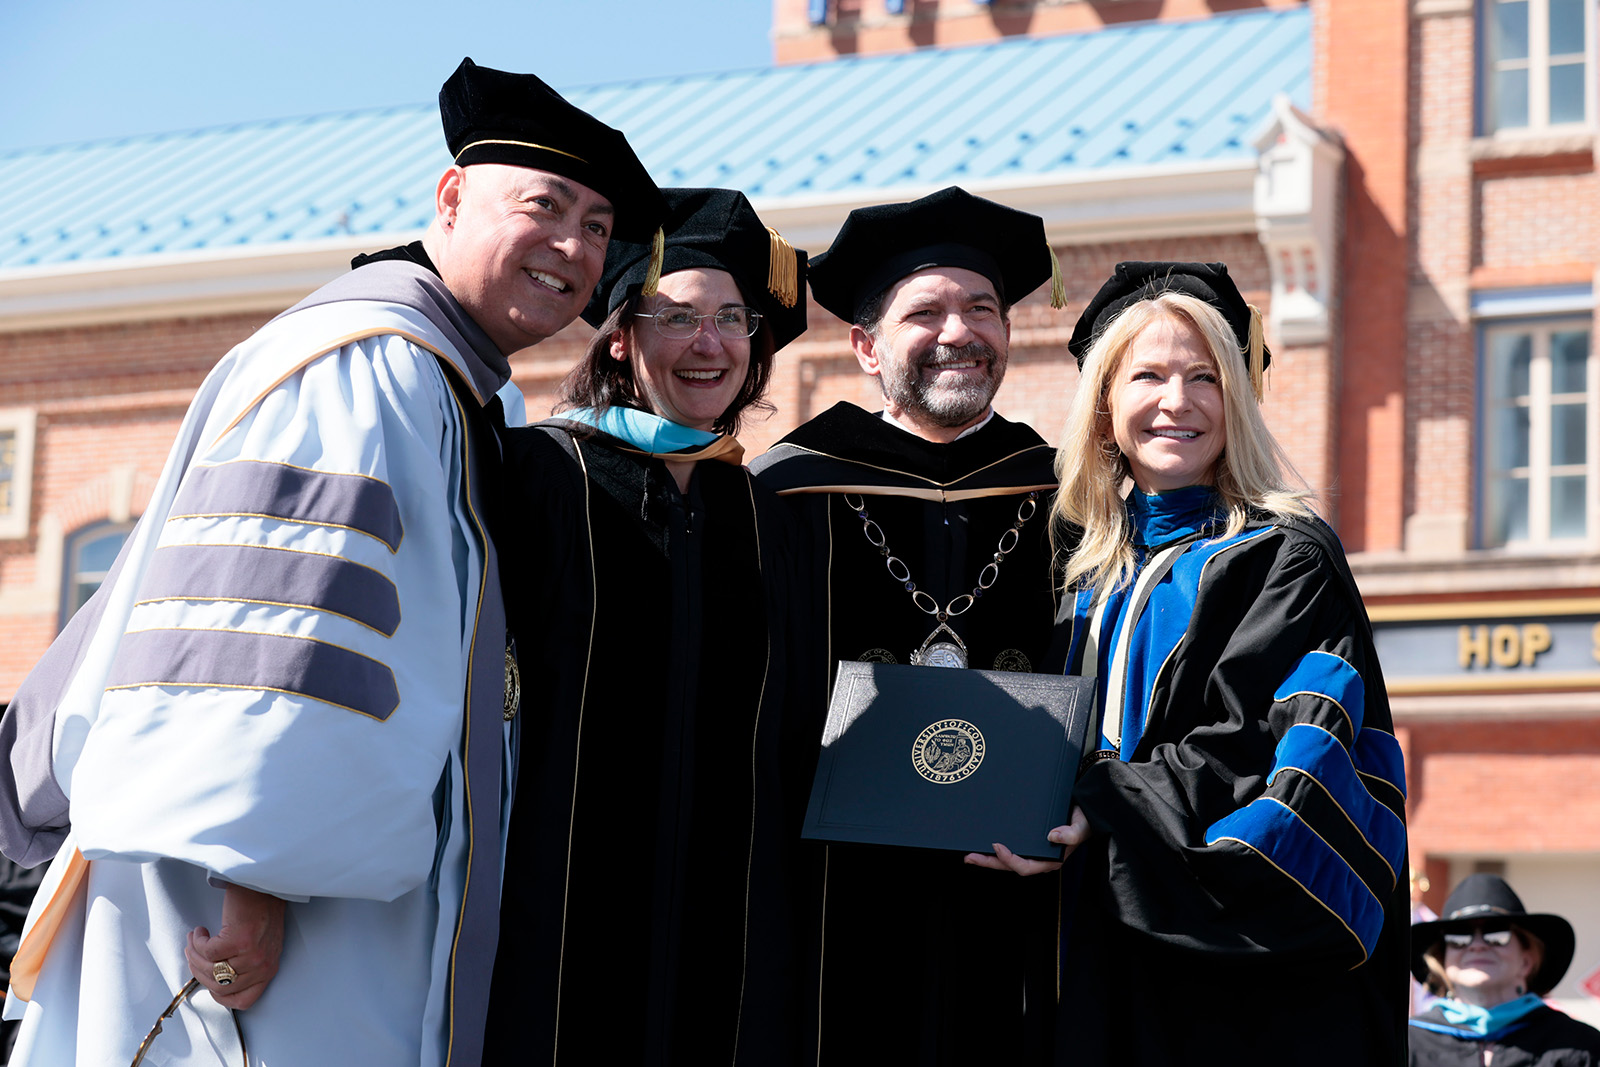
(1325, 819)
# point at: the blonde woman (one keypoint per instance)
(1243, 817)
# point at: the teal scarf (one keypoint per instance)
(1485, 1021)
(658, 437)
(643, 430)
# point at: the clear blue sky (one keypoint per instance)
(76, 70)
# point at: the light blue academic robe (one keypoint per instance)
(292, 681)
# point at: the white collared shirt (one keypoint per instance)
(980, 424)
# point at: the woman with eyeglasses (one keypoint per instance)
(1489, 960)
(644, 916)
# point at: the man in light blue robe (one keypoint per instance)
(270, 754)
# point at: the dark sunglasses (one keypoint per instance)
(1498, 936)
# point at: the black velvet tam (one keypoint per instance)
(1136, 280)
(879, 245)
(715, 229)
(492, 116)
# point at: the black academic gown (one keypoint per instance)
(919, 958)
(644, 914)
(1542, 1038)
(1191, 940)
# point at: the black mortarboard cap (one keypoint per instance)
(715, 229)
(492, 116)
(879, 245)
(1134, 281)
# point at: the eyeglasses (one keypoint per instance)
(1499, 937)
(184, 994)
(679, 323)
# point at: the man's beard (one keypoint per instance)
(941, 403)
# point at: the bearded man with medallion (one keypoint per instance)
(931, 549)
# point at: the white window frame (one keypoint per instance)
(72, 572)
(1538, 66)
(18, 423)
(1540, 401)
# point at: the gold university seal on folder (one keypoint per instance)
(947, 751)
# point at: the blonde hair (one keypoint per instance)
(1252, 474)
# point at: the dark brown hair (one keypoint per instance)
(600, 382)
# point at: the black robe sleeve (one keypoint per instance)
(1263, 811)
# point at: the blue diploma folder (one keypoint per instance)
(947, 758)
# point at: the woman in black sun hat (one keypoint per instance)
(1490, 960)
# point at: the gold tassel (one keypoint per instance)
(783, 276)
(1058, 286)
(658, 251)
(1257, 352)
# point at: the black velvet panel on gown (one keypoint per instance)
(645, 914)
(1248, 966)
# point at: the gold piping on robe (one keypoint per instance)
(725, 448)
(577, 748)
(904, 473)
(939, 495)
(755, 776)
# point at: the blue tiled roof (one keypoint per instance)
(1140, 95)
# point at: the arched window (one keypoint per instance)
(89, 555)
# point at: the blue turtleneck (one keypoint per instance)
(1158, 518)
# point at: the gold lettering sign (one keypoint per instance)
(1546, 643)
(1535, 639)
(1506, 645)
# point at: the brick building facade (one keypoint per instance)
(1483, 582)
(1426, 255)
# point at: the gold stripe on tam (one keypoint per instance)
(520, 144)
